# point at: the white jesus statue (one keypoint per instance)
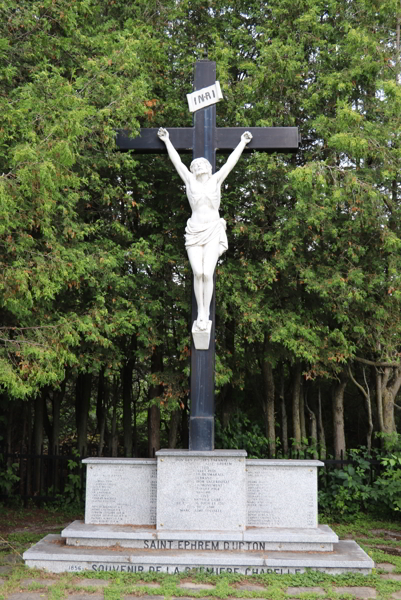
(205, 233)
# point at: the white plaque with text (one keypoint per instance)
(120, 491)
(282, 493)
(204, 97)
(201, 491)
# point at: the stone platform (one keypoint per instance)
(53, 555)
(320, 539)
(214, 511)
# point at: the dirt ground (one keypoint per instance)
(34, 520)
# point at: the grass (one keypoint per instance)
(20, 529)
(369, 533)
(275, 586)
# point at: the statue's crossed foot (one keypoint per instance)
(201, 323)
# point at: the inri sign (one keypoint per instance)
(204, 97)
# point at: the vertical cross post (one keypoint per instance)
(203, 139)
(201, 420)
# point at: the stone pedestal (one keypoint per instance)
(201, 337)
(209, 511)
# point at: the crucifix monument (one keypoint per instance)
(201, 509)
(204, 139)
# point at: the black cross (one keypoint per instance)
(203, 139)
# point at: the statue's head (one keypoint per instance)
(200, 165)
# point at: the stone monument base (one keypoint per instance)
(81, 534)
(210, 511)
(55, 556)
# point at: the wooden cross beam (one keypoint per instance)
(203, 140)
(265, 139)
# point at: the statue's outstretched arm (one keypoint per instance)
(233, 158)
(174, 156)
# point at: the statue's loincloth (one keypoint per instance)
(200, 234)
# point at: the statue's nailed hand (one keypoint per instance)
(163, 134)
(246, 137)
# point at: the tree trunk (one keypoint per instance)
(379, 400)
(184, 425)
(38, 440)
(175, 418)
(127, 405)
(366, 394)
(23, 471)
(113, 433)
(268, 398)
(57, 398)
(135, 413)
(47, 424)
(155, 391)
(114, 430)
(321, 433)
(389, 385)
(296, 395)
(9, 435)
(338, 418)
(284, 420)
(52, 427)
(388, 411)
(153, 430)
(313, 429)
(27, 447)
(101, 410)
(304, 434)
(82, 404)
(369, 411)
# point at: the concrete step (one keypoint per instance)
(319, 539)
(54, 555)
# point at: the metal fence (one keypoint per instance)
(41, 477)
(47, 478)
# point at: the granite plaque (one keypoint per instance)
(120, 491)
(282, 493)
(201, 490)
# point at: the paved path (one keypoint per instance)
(40, 588)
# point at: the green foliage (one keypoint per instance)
(345, 492)
(8, 479)
(72, 499)
(73, 493)
(390, 478)
(93, 271)
(71, 80)
(241, 434)
(389, 485)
